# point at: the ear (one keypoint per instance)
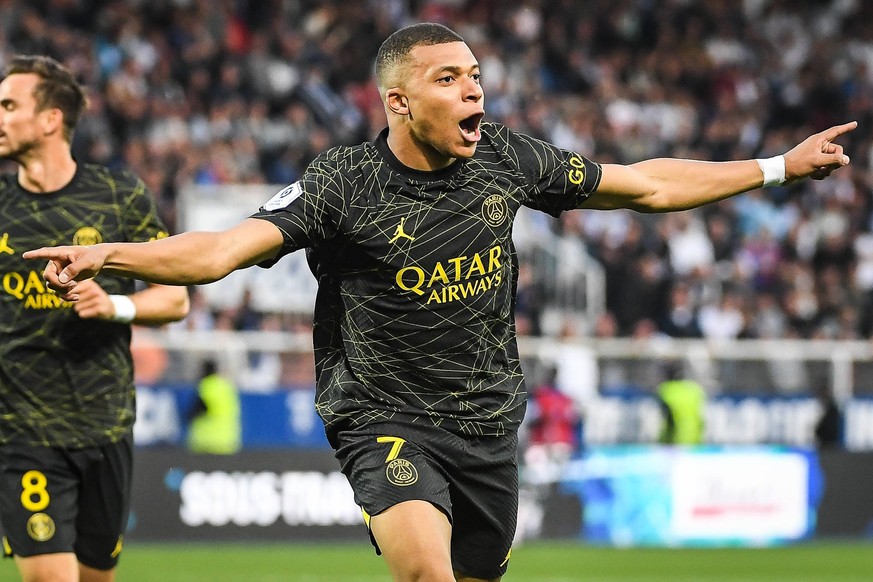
(397, 101)
(52, 121)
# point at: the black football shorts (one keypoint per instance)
(473, 480)
(66, 500)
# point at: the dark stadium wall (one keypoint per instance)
(278, 495)
(847, 506)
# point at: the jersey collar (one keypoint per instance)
(381, 144)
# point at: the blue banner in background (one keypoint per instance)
(282, 419)
(671, 496)
(285, 418)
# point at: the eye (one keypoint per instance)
(446, 79)
(477, 77)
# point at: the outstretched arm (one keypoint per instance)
(190, 258)
(667, 184)
(155, 305)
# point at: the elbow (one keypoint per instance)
(177, 305)
(651, 204)
(165, 304)
(661, 201)
(182, 306)
(215, 270)
(207, 268)
(221, 259)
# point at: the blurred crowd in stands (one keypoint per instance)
(249, 91)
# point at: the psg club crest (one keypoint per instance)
(494, 210)
(401, 472)
(87, 235)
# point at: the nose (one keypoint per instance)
(473, 90)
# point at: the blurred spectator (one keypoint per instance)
(263, 371)
(150, 358)
(682, 402)
(680, 318)
(553, 421)
(723, 319)
(215, 424)
(529, 304)
(829, 427)
(688, 244)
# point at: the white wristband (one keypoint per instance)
(773, 170)
(125, 309)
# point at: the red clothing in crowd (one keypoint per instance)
(554, 418)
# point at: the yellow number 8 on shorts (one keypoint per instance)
(34, 496)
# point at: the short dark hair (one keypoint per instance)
(397, 46)
(57, 89)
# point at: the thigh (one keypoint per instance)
(38, 500)
(104, 505)
(414, 537)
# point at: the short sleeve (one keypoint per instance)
(141, 219)
(559, 179)
(307, 211)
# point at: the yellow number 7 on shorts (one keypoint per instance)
(395, 447)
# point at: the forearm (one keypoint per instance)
(677, 184)
(667, 184)
(190, 258)
(160, 304)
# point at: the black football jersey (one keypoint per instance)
(66, 381)
(416, 272)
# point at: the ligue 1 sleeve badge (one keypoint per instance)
(284, 197)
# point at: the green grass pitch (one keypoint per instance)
(535, 562)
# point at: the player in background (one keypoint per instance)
(410, 237)
(66, 373)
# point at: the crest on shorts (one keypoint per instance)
(41, 527)
(87, 235)
(401, 472)
(494, 210)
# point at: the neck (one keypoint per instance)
(415, 154)
(47, 171)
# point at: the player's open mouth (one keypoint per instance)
(470, 127)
